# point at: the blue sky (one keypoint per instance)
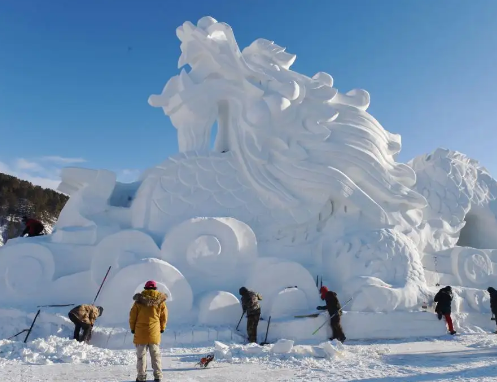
(72, 93)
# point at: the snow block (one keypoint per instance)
(117, 295)
(282, 346)
(330, 350)
(222, 351)
(219, 308)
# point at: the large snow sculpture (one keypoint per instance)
(302, 181)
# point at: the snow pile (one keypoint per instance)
(302, 182)
(282, 349)
(61, 350)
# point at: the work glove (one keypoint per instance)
(321, 308)
(132, 332)
(162, 331)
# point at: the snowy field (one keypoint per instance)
(461, 358)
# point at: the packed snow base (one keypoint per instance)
(302, 181)
(461, 358)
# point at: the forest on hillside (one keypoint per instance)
(20, 198)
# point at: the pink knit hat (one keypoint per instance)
(150, 284)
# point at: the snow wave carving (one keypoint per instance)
(384, 266)
(120, 250)
(117, 297)
(211, 251)
(26, 270)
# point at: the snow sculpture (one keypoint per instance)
(302, 181)
(212, 251)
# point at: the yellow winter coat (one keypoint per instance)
(148, 317)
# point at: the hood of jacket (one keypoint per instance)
(150, 298)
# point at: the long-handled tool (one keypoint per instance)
(334, 314)
(101, 285)
(267, 330)
(31, 328)
(240, 320)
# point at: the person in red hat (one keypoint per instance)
(335, 310)
(147, 321)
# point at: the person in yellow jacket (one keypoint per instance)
(147, 320)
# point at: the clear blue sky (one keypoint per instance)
(69, 86)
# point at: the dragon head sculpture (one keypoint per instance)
(297, 139)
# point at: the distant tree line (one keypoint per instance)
(20, 198)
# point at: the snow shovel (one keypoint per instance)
(240, 320)
(267, 330)
(324, 323)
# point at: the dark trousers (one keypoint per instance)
(337, 329)
(252, 322)
(86, 337)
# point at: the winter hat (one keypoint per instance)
(242, 291)
(100, 310)
(323, 292)
(151, 285)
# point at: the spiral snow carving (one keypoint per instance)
(121, 250)
(26, 270)
(117, 297)
(211, 251)
(471, 267)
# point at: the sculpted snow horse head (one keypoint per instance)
(297, 139)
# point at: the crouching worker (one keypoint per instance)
(251, 306)
(84, 317)
(444, 306)
(147, 321)
(335, 310)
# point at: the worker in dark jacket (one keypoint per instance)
(444, 306)
(33, 227)
(251, 306)
(493, 301)
(335, 310)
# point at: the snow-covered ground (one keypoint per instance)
(462, 358)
